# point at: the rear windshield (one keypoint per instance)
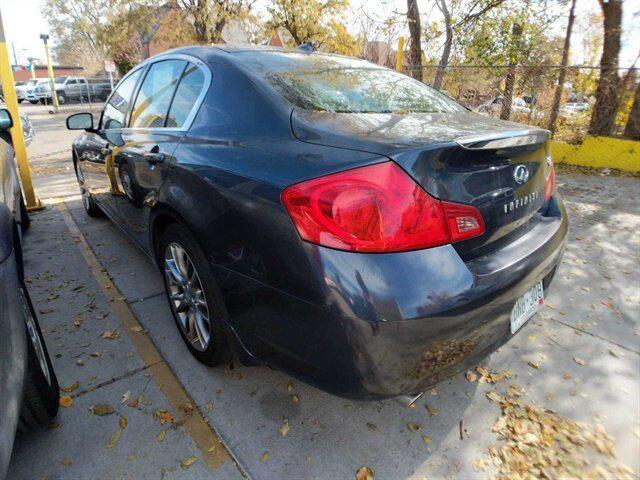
(339, 84)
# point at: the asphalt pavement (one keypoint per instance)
(114, 343)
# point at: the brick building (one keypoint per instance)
(22, 73)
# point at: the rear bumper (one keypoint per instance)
(393, 324)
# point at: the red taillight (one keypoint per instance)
(377, 208)
(550, 184)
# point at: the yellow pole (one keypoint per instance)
(54, 95)
(17, 135)
(400, 54)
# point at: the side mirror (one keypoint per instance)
(80, 121)
(6, 122)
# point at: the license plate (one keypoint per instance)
(526, 306)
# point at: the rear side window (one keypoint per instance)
(186, 95)
(157, 89)
(116, 109)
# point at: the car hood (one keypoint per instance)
(384, 133)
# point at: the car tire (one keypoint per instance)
(217, 350)
(40, 400)
(62, 98)
(25, 221)
(33, 102)
(88, 202)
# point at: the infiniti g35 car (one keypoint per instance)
(28, 384)
(325, 216)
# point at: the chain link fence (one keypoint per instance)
(532, 90)
(76, 94)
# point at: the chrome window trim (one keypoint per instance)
(206, 70)
(135, 92)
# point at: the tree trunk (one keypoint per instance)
(604, 111)
(632, 129)
(202, 21)
(510, 79)
(448, 42)
(555, 108)
(415, 50)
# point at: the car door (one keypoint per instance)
(96, 150)
(162, 112)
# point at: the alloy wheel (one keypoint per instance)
(186, 296)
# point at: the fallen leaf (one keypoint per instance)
(114, 438)
(284, 428)
(95, 354)
(295, 398)
(432, 410)
(137, 328)
(125, 396)
(111, 334)
(471, 377)
(364, 473)
(161, 436)
(579, 361)
(426, 439)
(123, 422)
(101, 409)
(372, 426)
(414, 427)
(163, 416)
(66, 462)
(264, 457)
(533, 365)
(208, 407)
(478, 465)
(66, 401)
(131, 457)
(70, 388)
(187, 462)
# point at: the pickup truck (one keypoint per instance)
(74, 88)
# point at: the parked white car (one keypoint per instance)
(31, 94)
(21, 90)
(572, 108)
(493, 107)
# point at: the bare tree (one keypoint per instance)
(555, 108)
(510, 79)
(451, 27)
(604, 111)
(415, 31)
(632, 129)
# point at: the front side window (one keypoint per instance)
(186, 95)
(152, 104)
(118, 105)
(339, 84)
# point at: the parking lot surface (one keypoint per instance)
(114, 343)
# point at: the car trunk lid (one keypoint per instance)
(499, 167)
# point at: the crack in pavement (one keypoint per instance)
(112, 380)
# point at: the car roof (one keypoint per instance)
(228, 52)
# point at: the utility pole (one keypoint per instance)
(54, 95)
(17, 135)
(400, 54)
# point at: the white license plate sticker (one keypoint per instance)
(526, 306)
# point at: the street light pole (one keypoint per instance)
(54, 95)
(17, 135)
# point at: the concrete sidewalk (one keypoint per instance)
(580, 358)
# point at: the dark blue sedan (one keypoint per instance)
(325, 216)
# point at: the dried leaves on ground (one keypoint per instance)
(364, 473)
(539, 443)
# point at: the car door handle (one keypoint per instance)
(154, 157)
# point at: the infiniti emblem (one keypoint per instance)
(521, 174)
